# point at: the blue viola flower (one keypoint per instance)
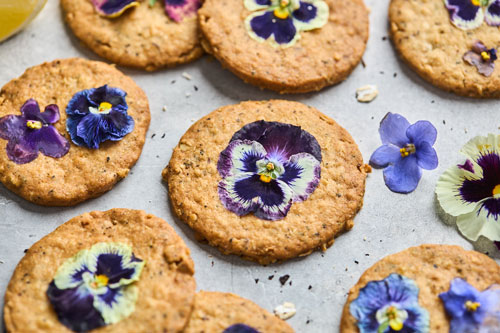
(471, 310)
(32, 132)
(281, 21)
(390, 305)
(405, 151)
(470, 14)
(266, 167)
(240, 328)
(96, 287)
(482, 58)
(97, 115)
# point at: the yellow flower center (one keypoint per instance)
(270, 166)
(472, 306)
(33, 124)
(100, 281)
(476, 2)
(394, 322)
(281, 13)
(407, 150)
(265, 178)
(105, 107)
(496, 190)
(485, 55)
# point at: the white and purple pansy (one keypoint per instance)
(96, 287)
(240, 328)
(482, 58)
(266, 167)
(471, 191)
(470, 14)
(281, 21)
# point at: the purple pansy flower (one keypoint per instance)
(281, 21)
(97, 115)
(470, 14)
(114, 8)
(482, 57)
(471, 310)
(266, 167)
(390, 305)
(240, 328)
(32, 132)
(96, 287)
(497, 244)
(406, 150)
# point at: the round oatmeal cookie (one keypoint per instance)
(433, 46)
(225, 312)
(317, 45)
(432, 268)
(328, 204)
(82, 173)
(166, 286)
(142, 37)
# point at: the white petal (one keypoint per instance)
(447, 191)
(473, 225)
(122, 307)
(319, 21)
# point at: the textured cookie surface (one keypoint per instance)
(143, 37)
(320, 57)
(166, 287)
(82, 173)
(215, 311)
(432, 267)
(427, 40)
(193, 180)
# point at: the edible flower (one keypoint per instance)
(482, 57)
(266, 167)
(240, 328)
(281, 21)
(96, 287)
(471, 310)
(98, 115)
(32, 132)
(114, 8)
(470, 14)
(471, 191)
(405, 151)
(390, 305)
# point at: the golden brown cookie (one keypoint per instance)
(142, 37)
(316, 58)
(434, 47)
(216, 312)
(432, 267)
(311, 223)
(82, 173)
(166, 287)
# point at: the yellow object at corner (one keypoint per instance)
(16, 14)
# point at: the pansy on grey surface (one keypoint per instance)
(32, 132)
(266, 167)
(470, 14)
(240, 328)
(471, 310)
(471, 191)
(405, 151)
(97, 115)
(482, 58)
(281, 21)
(96, 287)
(390, 305)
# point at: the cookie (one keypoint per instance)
(142, 37)
(433, 42)
(300, 46)
(221, 312)
(165, 287)
(277, 221)
(81, 173)
(432, 268)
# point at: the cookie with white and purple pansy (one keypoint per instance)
(229, 313)
(146, 34)
(116, 271)
(290, 46)
(267, 180)
(69, 130)
(453, 44)
(428, 288)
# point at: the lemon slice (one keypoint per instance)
(16, 14)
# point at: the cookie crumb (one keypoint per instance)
(366, 94)
(285, 311)
(186, 76)
(284, 279)
(188, 94)
(164, 108)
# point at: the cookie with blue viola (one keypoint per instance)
(268, 180)
(453, 44)
(290, 46)
(145, 34)
(116, 271)
(428, 288)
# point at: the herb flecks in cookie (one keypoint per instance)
(32, 132)
(113, 8)
(97, 115)
(266, 167)
(96, 286)
(240, 328)
(390, 305)
(482, 57)
(470, 14)
(281, 21)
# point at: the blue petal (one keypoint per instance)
(418, 319)
(403, 177)
(454, 299)
(240, 328)
(426, 156)
(492, 14)
(306, 12)
(385, 155)
(92, 130)
(267, 25)
(119, 124)
(422, 131)
(79, 104)
(113, 96)
(393, 130)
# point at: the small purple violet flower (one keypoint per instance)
(482, 57)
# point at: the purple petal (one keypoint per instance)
(302, 175)
(30, 109)
(12, 127)
(50, 142)
(497, 244)
(113, 96)
(385, 155)
(426, 156)
(480, 189)
(177, 10)
(393, 129)
(119, 124)
(464, 14)
(492, 15)
(268, 24)
(94, 128)
(306, 12)
(468, 166)
(483, 67)
(110, 264)
(231, 199)
(79, 104)
(113, 8)
(91, 130)
(240, 156)
(50, 115)
(240, 328)
(22, 151)
(422, 131)
(403, 177)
